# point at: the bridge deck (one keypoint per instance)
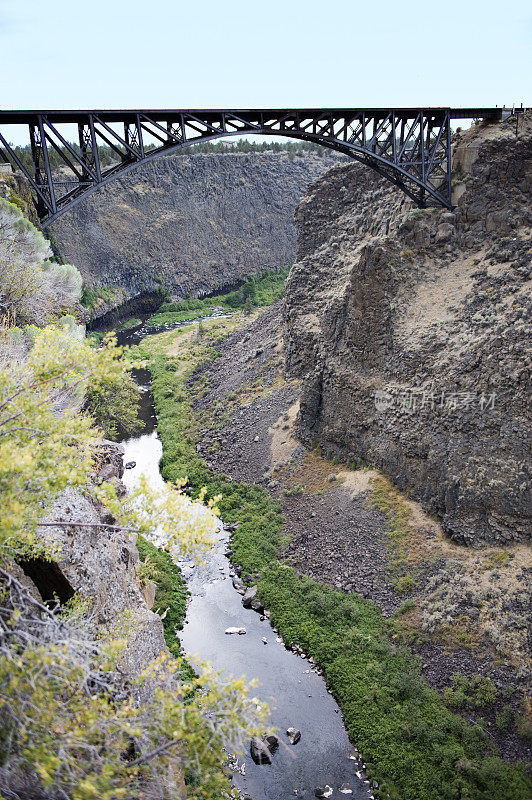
(18, 117)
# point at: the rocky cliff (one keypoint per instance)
(188, 223)
(409, 329)
(100, 563)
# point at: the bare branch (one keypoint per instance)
(75, 524)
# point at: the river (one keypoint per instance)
(295, 692)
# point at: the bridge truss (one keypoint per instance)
(409, 146)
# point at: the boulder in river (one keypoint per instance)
(293, 735)
(249, 596)
(260, 752)
(240, 631)
(239, 586)
(271, 741)
(323, 791)
(130, 464)
(232, 528)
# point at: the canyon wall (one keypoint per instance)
(188, 223)
(409, 330)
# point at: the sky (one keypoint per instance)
(289, 53)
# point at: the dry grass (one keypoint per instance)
(282, 432)
(488, 577)
(408, 525)
(312, 473)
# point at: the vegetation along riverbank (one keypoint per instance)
(415, 745)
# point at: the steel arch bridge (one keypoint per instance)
(409, 146)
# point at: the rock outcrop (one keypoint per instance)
(409, 330)
(101, 564)
(188, 223)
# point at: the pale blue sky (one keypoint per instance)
(204, 54)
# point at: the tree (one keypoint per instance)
(72, 728)
(46, 444)
(113, 402)
(32, 288)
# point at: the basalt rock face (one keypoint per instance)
(188, 224)
(409, 329)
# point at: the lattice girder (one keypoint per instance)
(410, 147)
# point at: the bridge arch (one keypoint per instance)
(410, 147)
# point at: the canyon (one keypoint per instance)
(365, 439)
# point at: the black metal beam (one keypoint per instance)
(129, 115)
(395, 143)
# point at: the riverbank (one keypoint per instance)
(291, 687)
(214, 417)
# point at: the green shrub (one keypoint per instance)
(114, 403)
(474, 692)
(295, 491)
(524, 726)
(257, 292)
(405, 608)
(504, 718)
(405, 584)
(171, 594)
(17, 201)
(130, 323)
(95, 338)
(91, 296)
(88, 297)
